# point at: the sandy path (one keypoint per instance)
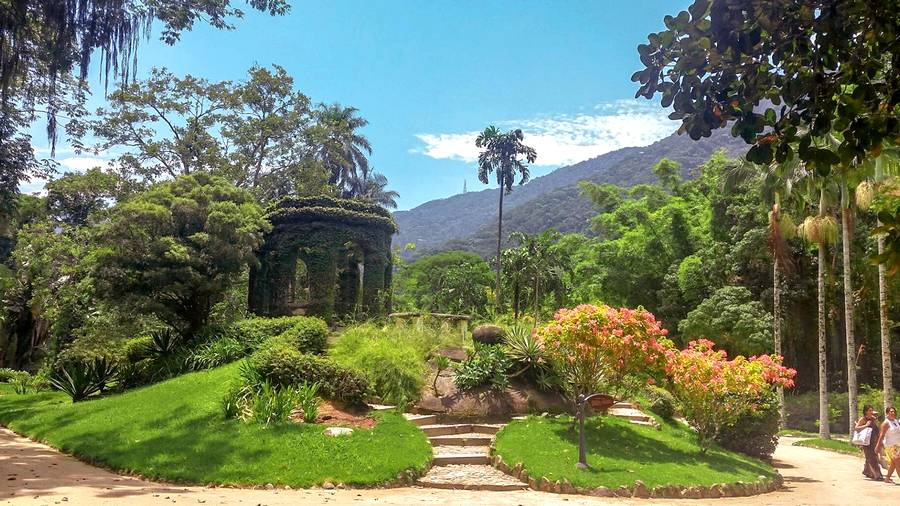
(34, 474)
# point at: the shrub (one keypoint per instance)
(755, 433)
(487, 366)
(309, 336)
(137, 349)
(715, 392)
(661, 402)
(81, 379)
(232, 402)
(393, 366)
(23, 383)
(165, 341)
(216, 353)
(7, 374)
(284, 365)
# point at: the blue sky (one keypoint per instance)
(427, 75)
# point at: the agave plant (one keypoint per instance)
(524, 348)
(81, 379)
(165, 341)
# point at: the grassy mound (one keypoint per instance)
(619, 453)
(175, 431)
(834, 445)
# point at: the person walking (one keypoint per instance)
(889, 441)
(872, 469)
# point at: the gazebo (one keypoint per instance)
(324, 257)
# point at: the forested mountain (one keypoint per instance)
(469, 220)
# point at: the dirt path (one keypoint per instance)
(34, 474)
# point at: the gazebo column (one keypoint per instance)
(373, 282)
(348, 284)
(321, 266)
(388, 280)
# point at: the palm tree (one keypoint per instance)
(373, 187)
(885, 163)
(341, 149)
(821, 230)
(501, 155)
(543, 265)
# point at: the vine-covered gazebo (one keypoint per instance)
(325, 257)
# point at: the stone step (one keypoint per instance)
(421, 420)
(629, 414)
(470, 477)
(465, 439)
(622, 405)
(445, 429)
(446, 459)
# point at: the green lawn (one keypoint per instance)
(620, 453)
(834, 445)
(175, 431)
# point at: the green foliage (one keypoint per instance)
(486, 367)
(272, 404)
(164, 342)
(77, 196)
(174, 250)
(80, 379)
(7, 374)
(450, 282)
(733, 319)
(392, 361)
(304, 333)
(309, 401)
(21, 381)
(755, 433)
(441, 364)
(661, 402)
(217, 352)
(525, 351)
(284, 365)
(137, 348)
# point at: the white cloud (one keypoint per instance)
(82, 163)
(565, 139)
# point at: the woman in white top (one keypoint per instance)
(889, 441)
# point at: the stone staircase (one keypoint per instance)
(629, 412)
(462, 457)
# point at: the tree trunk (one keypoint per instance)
(824, 421)
(497, 299)
(887, 380)
(537, 298)
(776, 331)
(517, 294)
(848, 306)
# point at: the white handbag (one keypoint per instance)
(862, 437)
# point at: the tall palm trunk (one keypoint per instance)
(848, 305)
(887, 379)
(497, 299)
(824, 428)
(776, 331)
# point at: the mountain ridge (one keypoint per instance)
(468, 220)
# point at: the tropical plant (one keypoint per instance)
(501, 155)
(441, 364)
(525, 350)
(339, 146)
(373, 188)
(164, 341)
(272, 404)
(217, 352)
(80, 379)
(488, 365)
(309, 401)
(23, 383)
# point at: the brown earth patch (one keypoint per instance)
(339, 415)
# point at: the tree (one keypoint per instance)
(540, 265)
(48, 47)
(74, 197)
(668, 173)
(600, 348)
(451, 281)
(255, 133)
(373, 187)
(741, 324)
(173, 250)
(783, 74)
(340, 148)
(501, 155)
(821, 230)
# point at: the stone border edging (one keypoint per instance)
(639, 490)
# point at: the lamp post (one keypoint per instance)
(598, 402)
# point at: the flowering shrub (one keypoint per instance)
(604, 348)
(714, 392)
